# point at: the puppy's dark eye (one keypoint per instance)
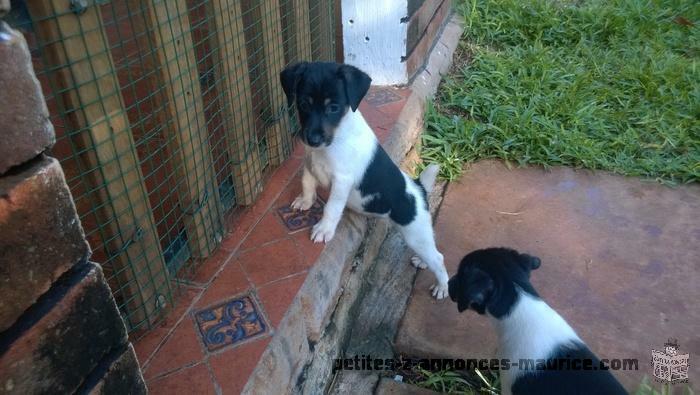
(332, 108)
(304, 105)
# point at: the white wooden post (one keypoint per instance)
(374, 38)
(391, 39)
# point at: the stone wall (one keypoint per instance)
(60, 329)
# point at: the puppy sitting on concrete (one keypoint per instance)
(343, 153)
(496, 281)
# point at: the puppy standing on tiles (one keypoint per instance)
(343, 153)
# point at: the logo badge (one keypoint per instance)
(670, 366)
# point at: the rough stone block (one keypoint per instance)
(355, 382)
(320, 295)
(284, 357)
(388, 386)
(120, 374)
(25, 128)
(4, 7)
(41, 235)
(61, 339)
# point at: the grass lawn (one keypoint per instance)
(599, 84)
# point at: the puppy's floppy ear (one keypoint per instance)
(475, 292)
(356, 84)
(529, 262)
(289, 77)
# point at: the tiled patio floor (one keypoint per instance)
(226, 315)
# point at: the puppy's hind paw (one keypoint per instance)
(417, 262)
(439, 291)
(301, 204)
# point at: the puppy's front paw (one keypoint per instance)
(302, 204)
(417, 262)
(322, 232)
(439, 291)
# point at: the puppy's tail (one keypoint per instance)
(428, 176)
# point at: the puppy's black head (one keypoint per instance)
(487, 280)
(323, 92)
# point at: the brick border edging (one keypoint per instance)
(282, 365)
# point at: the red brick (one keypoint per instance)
(419, 21)
(41, 235)
(194, 380)
(276, 297)
(121, 375)
(272, 262)
(233, 367)
(419, 55)
(25, 128)
(180, 350)
(62, 338)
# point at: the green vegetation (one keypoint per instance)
(600, 84)
(458, 382)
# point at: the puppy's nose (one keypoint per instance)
(314, 139)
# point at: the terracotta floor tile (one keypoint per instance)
(270, 228)
(203, 271)
(194, 380)
(277, 297)
(238, 226)
(182, 348)
(376, 119)
(231, 281)
(308, 248)
(289, 193)
(298, 151)
(233, 367)
(146, 344)
(272, 261)
(283, 174)
(381, 96)
(392, 110)
(403, 92)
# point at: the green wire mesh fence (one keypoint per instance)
(168, 116)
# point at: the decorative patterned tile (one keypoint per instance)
(230, 322)
(295, 220)
(381, 96)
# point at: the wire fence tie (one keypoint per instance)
(200, 204)
(78, 6)
(269, 121)
(135, 237)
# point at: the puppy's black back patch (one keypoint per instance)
(386, 185)
(423, 192)
(566, 379)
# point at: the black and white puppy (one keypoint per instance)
(343, 153)
(496, 282)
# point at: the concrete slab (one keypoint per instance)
(620, 261)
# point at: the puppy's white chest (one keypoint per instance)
(321, 169)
